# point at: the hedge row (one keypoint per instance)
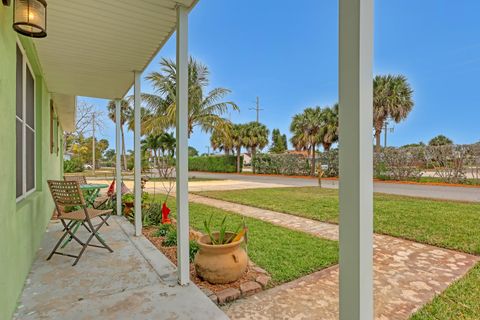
(214, 163)
(286, 164)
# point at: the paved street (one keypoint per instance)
(414, 190)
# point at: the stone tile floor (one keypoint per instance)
(406, 274)
(134, 282)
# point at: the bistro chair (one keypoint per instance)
(98, 202)
(80, 179)
(72, 210)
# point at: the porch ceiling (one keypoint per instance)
(93, 46)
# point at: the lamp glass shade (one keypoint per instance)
(30, 18)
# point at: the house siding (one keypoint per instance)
(22, 224)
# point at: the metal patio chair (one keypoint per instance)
(68, 196)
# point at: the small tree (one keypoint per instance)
(279, 142)
(192, 152)
(440, 140)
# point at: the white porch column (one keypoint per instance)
(182, 147)
(356, 148)
(118, 149)
(137, 156)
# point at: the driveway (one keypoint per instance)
(413, 190)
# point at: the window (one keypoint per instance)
(25, 126)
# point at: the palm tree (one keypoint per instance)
(145, 114)
(167, 143)
(392, 98)
(255, 136)
(220, 139)
(152, 143)
(237, 139)
(204, 109)
(125, 114)
(329, 129)
(306, 128)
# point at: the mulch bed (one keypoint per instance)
(171, 253)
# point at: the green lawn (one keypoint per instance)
(284, 253)
(448, 224)
(460, 301)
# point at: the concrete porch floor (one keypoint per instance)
(134, 282)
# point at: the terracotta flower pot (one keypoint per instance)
(128, 207)
(220, 263)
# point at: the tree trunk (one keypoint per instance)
(378, 146)
(254, 152)
(123, 149)
(378, 131)
(312, 169)
(326, 146)
(155, 158)
(238, 160)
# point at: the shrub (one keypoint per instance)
(398, 164)
(329, 162)
(286, 164)
(449, 161)
(152, 214)
(214, 163)
(170, 238)
(163, 230)
(193, 249)
(74, 165)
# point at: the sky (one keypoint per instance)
(286, 53)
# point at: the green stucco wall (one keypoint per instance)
(22, 224)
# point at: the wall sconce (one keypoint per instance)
(6, 2)
(30, 18)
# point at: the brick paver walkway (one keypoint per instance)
(407, 274)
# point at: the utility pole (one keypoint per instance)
(208, 150)
(385, 129)
(93, 142)
(257, 109)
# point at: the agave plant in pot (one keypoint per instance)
(221, 257)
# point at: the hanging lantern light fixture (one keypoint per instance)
(30, 18)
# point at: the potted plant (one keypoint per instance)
(128, 200)
(221, 257)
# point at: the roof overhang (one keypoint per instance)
(65, 106)
(93, 46)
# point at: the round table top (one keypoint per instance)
(93, 186)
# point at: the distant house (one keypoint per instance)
(247, 158)
(67, 156)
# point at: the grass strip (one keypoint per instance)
(448, 224)
(286, 254)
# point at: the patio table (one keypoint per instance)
(90, 193)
